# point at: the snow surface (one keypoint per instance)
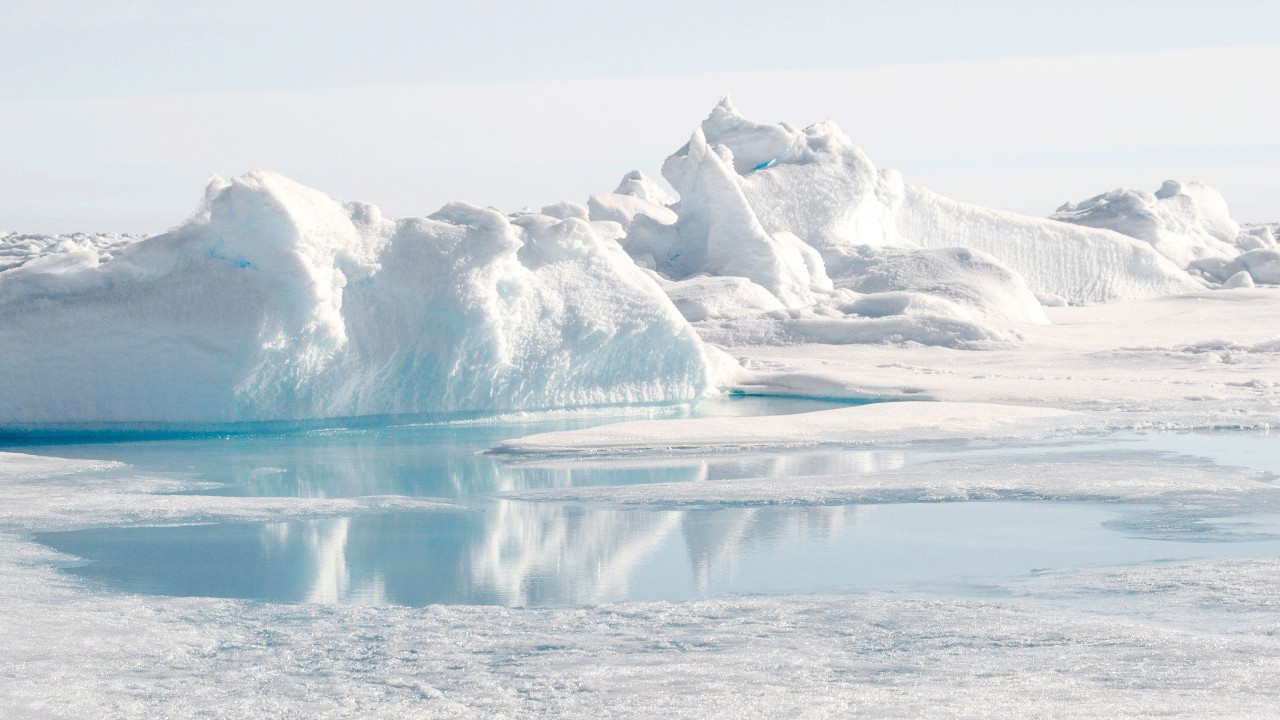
(1201, 360)
(276, 301)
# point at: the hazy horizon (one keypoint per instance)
(112, 121)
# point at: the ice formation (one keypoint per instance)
(776, 184)
(275, 301)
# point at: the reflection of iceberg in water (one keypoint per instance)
(323, 547)
(561, 473)
(515, 552)
(716, 539)
(535, 554)
(525, 554)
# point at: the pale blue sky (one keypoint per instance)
(112, 114)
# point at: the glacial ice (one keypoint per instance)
(275, 301)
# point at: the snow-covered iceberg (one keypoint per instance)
(276, 301)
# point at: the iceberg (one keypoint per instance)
(778, 184)
(275, 301)
(784, 235)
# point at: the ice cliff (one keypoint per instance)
(276, 301)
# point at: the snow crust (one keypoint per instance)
(881, 422)
(275, 301)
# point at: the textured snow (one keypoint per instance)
(1081, 265)
(276, 301)
(17, 249)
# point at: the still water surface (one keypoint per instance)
(492, 550)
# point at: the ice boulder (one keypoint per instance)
(1262, 265)
(814, 183)
(1184, 222)
(276, 301)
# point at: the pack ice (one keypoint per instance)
(276, 301)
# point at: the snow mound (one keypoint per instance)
(1184, 222)
(275, 301)
(982, 287)
(804, 216)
